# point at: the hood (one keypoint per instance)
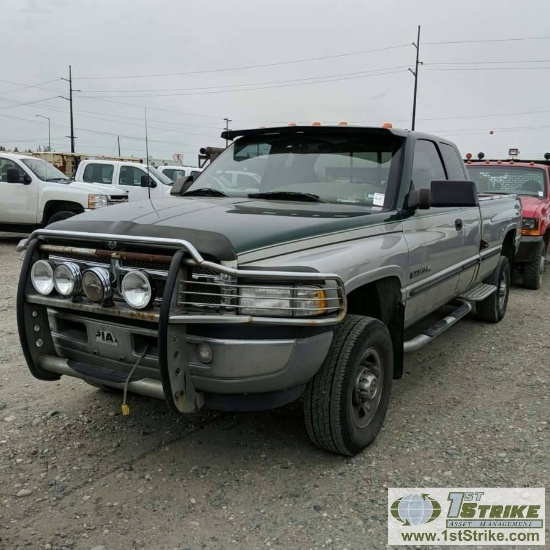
(531, 206)
(244, 224)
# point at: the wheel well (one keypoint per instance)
(381, 300)
(508, 246)
(60, 206)
(546, 239)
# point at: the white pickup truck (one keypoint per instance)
(140, 181)
(34, 193)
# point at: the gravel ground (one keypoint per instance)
(471, 410)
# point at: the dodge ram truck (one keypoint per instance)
(353, 246)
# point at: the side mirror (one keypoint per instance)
(448, 193)
(148, 181)
(27, 180)
(12, 175)
(181, 185)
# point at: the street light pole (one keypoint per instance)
(49, 131)
(415, 74)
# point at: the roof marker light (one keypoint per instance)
(468, 156)
(316, 124)
(387, 125)
(343, 123)
(292, 124)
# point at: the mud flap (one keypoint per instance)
(179, 391)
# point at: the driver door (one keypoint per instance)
(129, 178)
(18, 201)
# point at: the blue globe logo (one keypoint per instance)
(415, 509)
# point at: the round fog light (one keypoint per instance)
(204, 353)
(67, 279)
(42, 277)
(136, 289)
(96, 284)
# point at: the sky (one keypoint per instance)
(188, 65)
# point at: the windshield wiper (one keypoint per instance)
(204, 192)
(286, 196)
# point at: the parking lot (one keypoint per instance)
(471, 410)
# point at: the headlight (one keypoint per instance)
(282, 302)
(136, 289)
(530, 226)
(96, 200)
(67, 279)
(96, 284)
(42, 277)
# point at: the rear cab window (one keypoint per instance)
(98, 173)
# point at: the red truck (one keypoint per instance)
(530, 180)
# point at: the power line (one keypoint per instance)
(362, 75)
(219, 87)
(486, 40)
(25, 86)
(246, 67)
(490, 62)
(489, 69)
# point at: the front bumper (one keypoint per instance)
(530, 248)
(59, 336)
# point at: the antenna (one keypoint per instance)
(147, 155)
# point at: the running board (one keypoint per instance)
(478, 293)
(436, 329)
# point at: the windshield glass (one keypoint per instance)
(44, 170)
(338, 167)
(163, 178)
(509, 179)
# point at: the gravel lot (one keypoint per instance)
(471, 410)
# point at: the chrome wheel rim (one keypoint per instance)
(367, 388)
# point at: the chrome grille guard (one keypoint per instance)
(228, 269)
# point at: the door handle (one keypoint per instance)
(458, 224)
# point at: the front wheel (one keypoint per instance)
(346, 401)
(534, 270)
(493, 308)
(58, 216)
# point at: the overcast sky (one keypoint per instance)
(460, 95)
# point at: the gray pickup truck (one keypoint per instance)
(341, 249)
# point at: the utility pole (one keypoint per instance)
(70, 100)
(49, 131)
(415, 74)
(227, 121)
(118, 139)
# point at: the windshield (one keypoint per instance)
(44, 170)
(353, 168)
(509, 179)
(163, 178)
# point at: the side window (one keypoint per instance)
(130, 175)
(453, 162)
(98, 173)
(427, 165)
(5, 165)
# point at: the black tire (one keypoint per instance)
(534, 270)
(58, 216)
(493, 308)
(333, 399)
(101, 386)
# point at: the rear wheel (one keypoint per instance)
(534, 270)
(346, 401)
(493, 308)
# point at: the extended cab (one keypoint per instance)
(355, 246)
(33, 193)
(139, 180)
(530, 179)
